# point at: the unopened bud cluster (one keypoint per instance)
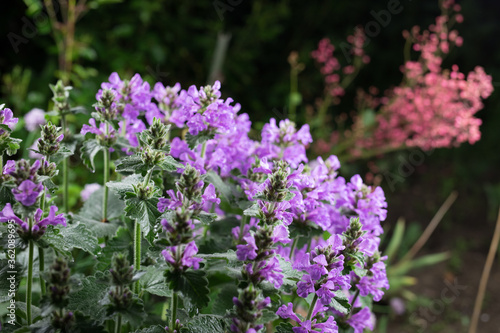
(50, 138)
(59, 295)
(121, 276)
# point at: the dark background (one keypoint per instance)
(174, 41)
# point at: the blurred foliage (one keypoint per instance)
(173, 41)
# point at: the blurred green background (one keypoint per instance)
(175, 41)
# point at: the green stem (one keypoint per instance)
(41, 264)
(118, 324)
(173, 309)
(356, 294)
(311, 308)
(65, 170)
(106, 189)
(137, 253)
(29, 283)
(294, 245)
(203, 149)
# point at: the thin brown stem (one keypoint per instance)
(431, 227)
(484, 277)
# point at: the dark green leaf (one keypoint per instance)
(170, 164)
(341, 303)
(154, 282)
(253, 211)
(131, 164)
(206, 324)
(92, 291)
(125, 185)
(194, 140)
(152, 329)
(64, 152)
(88, 151)
(193, 285)
(284, 328)
(73, 236)
(206, 218)
(145, 212)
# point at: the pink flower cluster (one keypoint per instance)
(433, 107)
(331, 67)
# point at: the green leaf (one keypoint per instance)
(206, 324)
(224, 299)
(341, 303)
(6, 195)
(284, 328)
(168, 163)
(125, 185)
(290, 276)
(66, 150)
(88, 151)
(92, 212)
(193, 285)
(131, 164)
(194, 140)
(396, 239)
(206, 218)
(122, 242)
(253, 211)
(73, 236)
(92, 291)
(152, 329)
(145, 212)
(10, 145)
(154, 282)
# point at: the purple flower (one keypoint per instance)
(9, 168)
(209, 195)
(286, 312)
(186, 259)
(88, 190)
(33, 119)
(7, 118)
(306, 286)
(281, 234)
(39, 226)
(361, 320)
(27, 192)
(172, 203)
(247, 251)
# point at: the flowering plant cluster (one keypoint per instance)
(433, 107)
(196, 226)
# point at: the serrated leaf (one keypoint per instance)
(64, 151)
(125, 185)
(152, 329)
(153, 281)
(284, 328)
(206, 218)
(130, 164)
(253, 211)
(6, 195)
(194, 140)
(193, 285)
(341, 303)
(70, 237)
(224, 298)
(122, 242)
(88, 151)
(168, 163)
(92, 291)
(145, 212)
(92, 212)
(206, 324)
(290, 276)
